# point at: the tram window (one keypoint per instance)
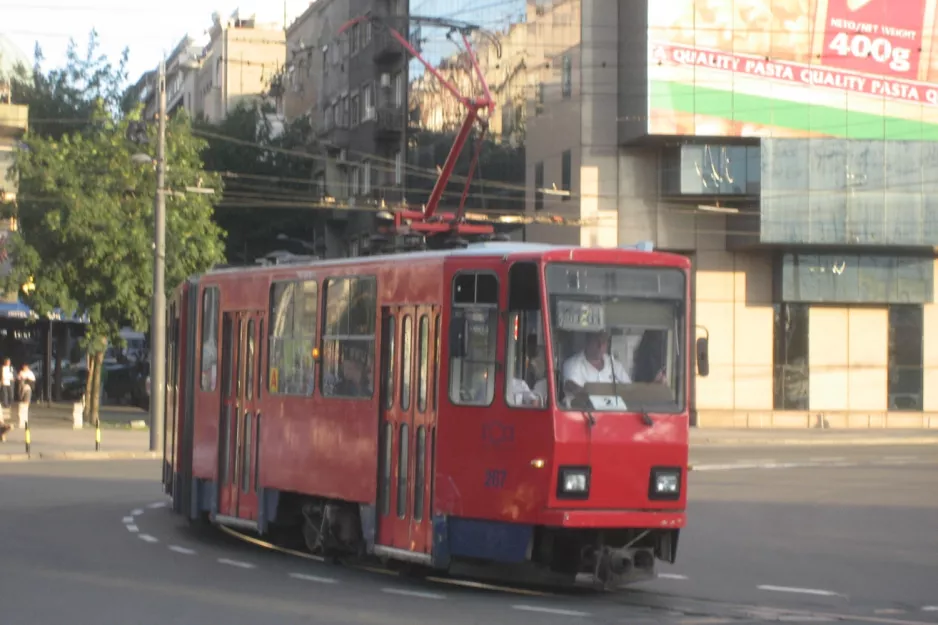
(407, 362)
(249, 366)
(526, 370)
(473, 332)
(436, 362)
(390, 360)
(209, 366)
(293, 310)
(423, 364)
(348, 337)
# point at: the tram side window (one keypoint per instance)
(473, 332)
(348, 337)
(209, 366)
(292, 328)
(526, 370)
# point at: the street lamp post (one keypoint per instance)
(158, 323)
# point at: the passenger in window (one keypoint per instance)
(351, 382)
(593, 365)
(535, 368)
(649, 360)
(478, 389)
(521, 395)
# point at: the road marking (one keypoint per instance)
(313, 578)
(557, 611)
(158, 504)
(413, 593)
(133, 529)
(802, 591)
(127, 519)
(148, 539)
(930, 608)
(184, 550)
(704, 620)
(671, 576)
(236, 563)
(137, 512)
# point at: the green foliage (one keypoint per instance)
(500, 167)
(259, 179)
(86, 221)
(62, 100)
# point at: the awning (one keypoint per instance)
(19, 310)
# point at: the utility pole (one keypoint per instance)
(158, 323)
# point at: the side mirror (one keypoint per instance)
(703, 357)
(457, 338)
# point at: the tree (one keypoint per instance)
(85, 212)
(261, 164)
(63, 99)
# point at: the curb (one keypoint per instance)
(81, 455)
(883, 442)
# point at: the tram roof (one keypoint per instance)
(473, 250)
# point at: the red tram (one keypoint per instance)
(438, 409)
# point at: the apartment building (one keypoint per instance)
(798, 179)
(236, 62)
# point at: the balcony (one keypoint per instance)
(385, 48)
(389, 122)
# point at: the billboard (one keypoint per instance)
(859, 69)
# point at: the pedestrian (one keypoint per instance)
(6, 383)
(26, 380)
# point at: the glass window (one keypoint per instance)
(906, 357)
(249, 361)
(617, 336)
(293, 311)
(407, 341)
(423, 371)
(566, 172)
(791, 373)
(436, 362)
(389, 358)
(526, 372)
(349, 337)
(209, 339)
(473, 327)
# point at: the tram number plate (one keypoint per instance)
(495, 478)
(580, 315)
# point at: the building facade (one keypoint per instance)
(352, 87)
(793, 168)
(236, 62)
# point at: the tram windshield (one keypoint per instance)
(617, 336)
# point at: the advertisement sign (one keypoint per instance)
(862, 69)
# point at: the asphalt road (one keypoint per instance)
(88, 543)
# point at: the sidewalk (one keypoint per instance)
(57, 443)
(60, 415)
(767, 437)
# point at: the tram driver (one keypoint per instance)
(594, 364)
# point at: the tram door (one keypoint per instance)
(408, 427)
(238, 424)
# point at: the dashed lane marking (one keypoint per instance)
(671, 576)
(802, 591)
(413, 593)
(136, 512)
(930, 608)
(182, 550)
(542, 610)
(127, 519)
(314, 578)
(157, 504)
(236, 563)
(133, 529)
(148, 539)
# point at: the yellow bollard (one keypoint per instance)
(97, 436)
(28, 437)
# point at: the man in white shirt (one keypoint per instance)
(592, 365)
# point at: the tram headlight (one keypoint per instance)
(665, 483)
(573, 482)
